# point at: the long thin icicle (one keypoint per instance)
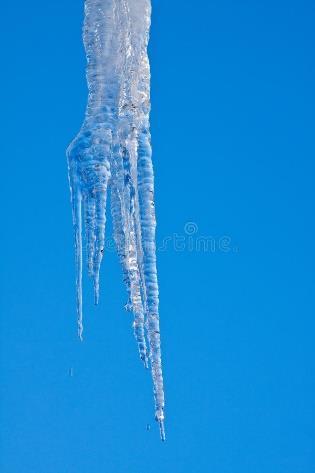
(113, 149)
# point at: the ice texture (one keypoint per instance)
(112, 151)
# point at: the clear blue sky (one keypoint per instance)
(233, 136)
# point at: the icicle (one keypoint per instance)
(77, 223)
(146, 205)
(113, 150)
(121, 204)
(148, 224)
(89, 211)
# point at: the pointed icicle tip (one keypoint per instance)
(96, 289)
(162, 430)
(96, 296)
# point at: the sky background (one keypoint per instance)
(233, 147)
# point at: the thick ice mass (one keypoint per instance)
(112, 151)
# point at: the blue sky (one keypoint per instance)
(233, 137)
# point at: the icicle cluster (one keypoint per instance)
(113, 150)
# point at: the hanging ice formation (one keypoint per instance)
(113, 151)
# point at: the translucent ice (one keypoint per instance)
(113, 151)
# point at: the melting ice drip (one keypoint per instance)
(113, 150)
